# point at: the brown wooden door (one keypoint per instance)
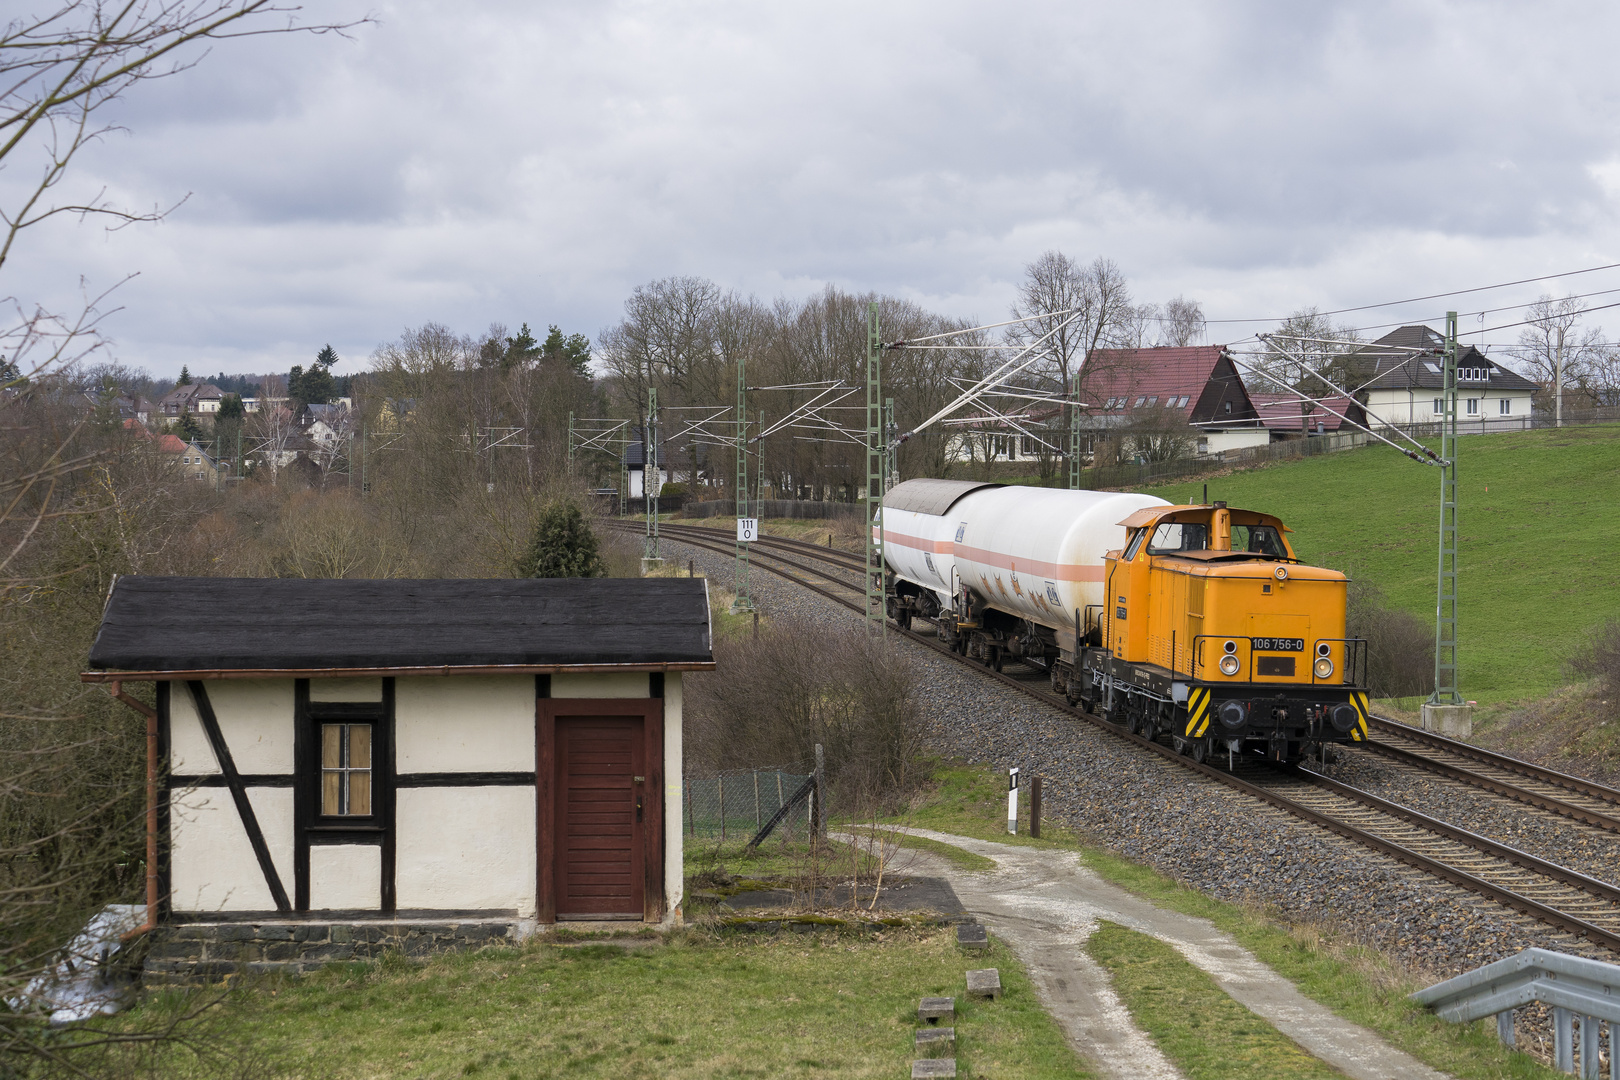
(601, 816)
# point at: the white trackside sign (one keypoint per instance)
(747, 530)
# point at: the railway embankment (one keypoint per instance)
(1125, 799)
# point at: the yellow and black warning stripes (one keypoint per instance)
(1198, 711)
(1359, 700)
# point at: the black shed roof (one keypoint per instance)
(255, 626)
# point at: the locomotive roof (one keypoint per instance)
(233, 627)
(934, 497)
(1149, 514)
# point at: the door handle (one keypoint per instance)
(638, 806)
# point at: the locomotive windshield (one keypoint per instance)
(1174, 536)
(1257, 540)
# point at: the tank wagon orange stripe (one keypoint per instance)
(1032, 567)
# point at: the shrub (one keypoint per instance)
(563, 545)
(1600, 658)
(1400, 646)
(772, 699)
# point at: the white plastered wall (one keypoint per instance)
(464, 723)
(466, 848)
(345, 877)
(674, 798)
(212, 866)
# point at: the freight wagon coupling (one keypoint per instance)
(1193, 623)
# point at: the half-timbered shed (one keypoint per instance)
(411, 749)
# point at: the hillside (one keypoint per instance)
(1540, 539)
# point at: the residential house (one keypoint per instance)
(193, 461)
(635, 462)
(1398, 379)
(196, 398)
(1197, 385)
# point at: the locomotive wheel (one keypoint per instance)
(1181, 745)
(1200, 750)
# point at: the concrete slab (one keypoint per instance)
(936, 1042)
(1045, 904)
(985, 983)
(933, 1067)
(935, 1009)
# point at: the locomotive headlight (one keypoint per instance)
(1322, 648)
(1230, 664)
(1281, 572)
(1324, 667)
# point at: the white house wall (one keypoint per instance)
(345, 877)
(674, 796)
(189, 752)
(1214, 442)
(212, 866)
(255, 718)
(471, 847)
(466, 724)
(364, 690)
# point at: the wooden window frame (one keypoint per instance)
(547, 710)
(314, 829)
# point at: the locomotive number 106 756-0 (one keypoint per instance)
(1278, 644)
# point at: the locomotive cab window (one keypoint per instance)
(1175, 536)
(1136, 542)
(1258, 540)
(345, 770)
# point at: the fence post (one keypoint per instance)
(1035, 806)
(691, 825)
(758, 821)
(819, 819)
(721, 781)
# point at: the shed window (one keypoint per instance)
(1505, 406)
(1439, 406)
(346, 770)
(1473, 406)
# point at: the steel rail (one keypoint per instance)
(1501, 761)
(826, 554)
(1456, 876)
(1497, 787)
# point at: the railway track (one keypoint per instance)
(1563, 898)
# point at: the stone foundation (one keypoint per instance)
(191, 952)
(1452, 721)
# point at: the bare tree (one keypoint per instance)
(1305, 350)
(1554, 350)
(1181, 323)
(1054, 288)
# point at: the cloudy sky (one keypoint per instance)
(535, 162)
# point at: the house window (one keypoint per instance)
(346, 770)
(1152, 401)
(1473, 406)
(1505, 406)
(1029, 446)
(1439, 406)
(1228, 407)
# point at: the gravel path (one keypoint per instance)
(1232, 847)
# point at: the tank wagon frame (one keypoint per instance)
(1145, 613)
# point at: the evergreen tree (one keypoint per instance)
(573, 350)
(187, 427)
(563, 545)
(315, 386)
(185, 377)
(230, 408)
(521, 350)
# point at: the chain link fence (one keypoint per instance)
(733, 805)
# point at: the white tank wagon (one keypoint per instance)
(1019, 568)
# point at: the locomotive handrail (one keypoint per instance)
(1356, 656)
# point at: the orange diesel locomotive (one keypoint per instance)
(1212, 631)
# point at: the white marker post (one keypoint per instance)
(747, 530)
(1012, 800)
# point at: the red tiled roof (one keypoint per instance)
(1284, 412)
(173, 444)
(1164, 374)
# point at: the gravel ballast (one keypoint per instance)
(1126, 799)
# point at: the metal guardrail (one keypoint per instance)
(1576, 989)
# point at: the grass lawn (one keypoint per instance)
(1356, 982)
(1195, 1024)
(1537, 524)
(818, 1004)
